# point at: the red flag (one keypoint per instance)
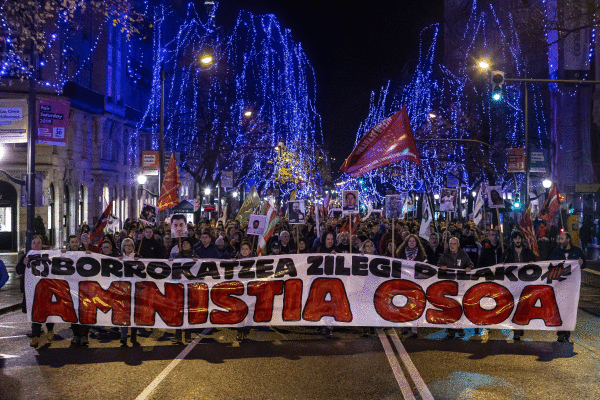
(386, 143)
(169, 191)
(526, 226)
(550, 205)
(101, 224)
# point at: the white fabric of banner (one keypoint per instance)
(303, 289)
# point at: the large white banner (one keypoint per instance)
(303, 289)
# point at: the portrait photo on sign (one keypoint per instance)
(296, 212)
(393, 206)
(257, 224)
(148, 214)
(350, 201)
(495, 199)
(179, 226)
(448, 200)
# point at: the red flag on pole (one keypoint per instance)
(169, 191)
(101, 224)
(386, 143)
(550, 205)
(526, 226)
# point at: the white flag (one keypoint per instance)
(478, 209)
(425, 232)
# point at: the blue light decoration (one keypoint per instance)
(257, 68)
(460, 97)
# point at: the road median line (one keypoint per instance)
(150, 388)
(403, 383)
(410, 367)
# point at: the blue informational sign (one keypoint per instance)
(537, 160)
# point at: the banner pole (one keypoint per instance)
(393, 242)
(350, 231)
(253, 242)
(297, 240)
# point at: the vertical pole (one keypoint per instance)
(526, 122)
(31, 138)
(393, 242)
(350, 231)
(161, 135)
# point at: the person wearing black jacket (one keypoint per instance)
(518, 253)
(455, 258)
(148, 247)
(205, 248)
(491, 251)
(566, 251)
(36, 328)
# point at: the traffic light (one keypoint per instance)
(497, 84)
(516, 205)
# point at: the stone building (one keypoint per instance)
(108, 87)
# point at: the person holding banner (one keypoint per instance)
(148, 247)
(245, 252)
(412, 249)
(327, 244)
(287, 246)
(518, 252)
(80, 332)
(36, 329)
(566, 251)
(206, 249)
(455, 258)
(128, 253)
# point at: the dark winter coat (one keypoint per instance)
(462, 261)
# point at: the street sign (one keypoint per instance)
(13, 120)
(537, 160)
(53, 118)
(150, 162)
(515, 160)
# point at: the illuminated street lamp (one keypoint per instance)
(547, 183)
(206, 60)
(248, 113)
(436, 196)
(207, 191)
(483, 65)
(142, 179)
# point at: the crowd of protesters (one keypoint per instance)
(451, 245)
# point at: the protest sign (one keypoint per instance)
(303, 289)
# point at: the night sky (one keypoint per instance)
(354, 49)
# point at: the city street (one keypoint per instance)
(298, 363)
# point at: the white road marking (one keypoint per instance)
(410, 367)
(11, 337)
(148, 391)
(592, 271)
(8, 356)
(396, 368)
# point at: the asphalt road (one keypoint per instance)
(299, 363)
